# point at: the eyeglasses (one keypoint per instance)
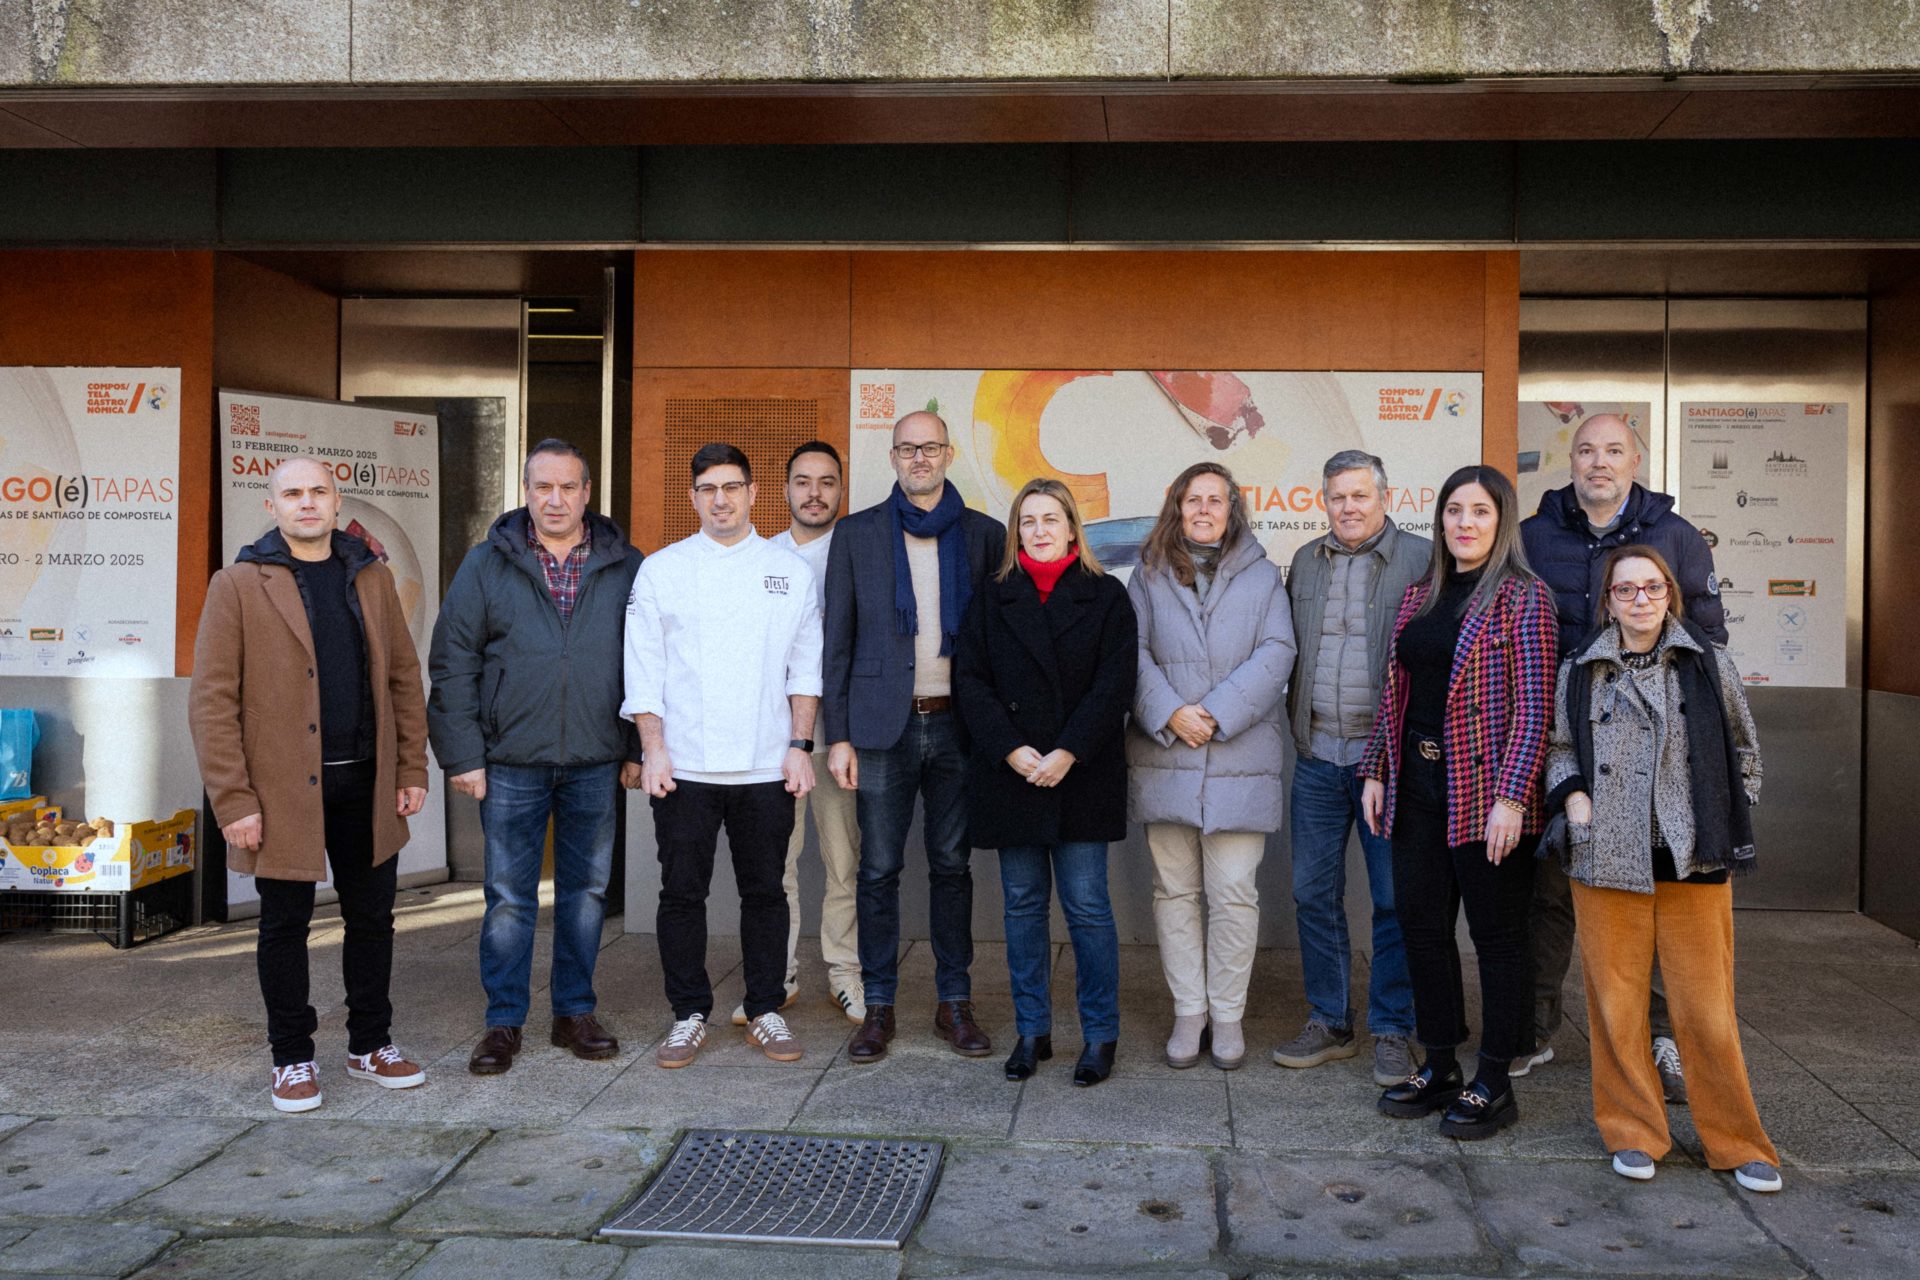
(929, 451)
(732, 488)
(1624, 592)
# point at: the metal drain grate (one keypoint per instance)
(732, 1184)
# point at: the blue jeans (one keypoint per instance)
(1325, 806)
(520, 798)
(927, 762)
(1081, 872)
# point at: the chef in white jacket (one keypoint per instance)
(723, 680)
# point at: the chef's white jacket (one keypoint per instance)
(718, 638)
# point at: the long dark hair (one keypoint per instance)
(1507, 559)
(1166, 549)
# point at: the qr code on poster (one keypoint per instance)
(876, 401)
(245, 419)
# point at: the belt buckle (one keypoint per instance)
(1429, 749)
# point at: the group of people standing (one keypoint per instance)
(1441, 696)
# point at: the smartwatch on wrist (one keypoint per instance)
(803, 744)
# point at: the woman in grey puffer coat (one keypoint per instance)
(1205, 747)
(1654, 758)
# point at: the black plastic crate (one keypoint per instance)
(124, 919)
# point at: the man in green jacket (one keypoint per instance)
(525, 718)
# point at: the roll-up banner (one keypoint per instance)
(386, 465)
(89, 504)
(1117, 438)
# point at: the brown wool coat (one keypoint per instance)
(255, 712)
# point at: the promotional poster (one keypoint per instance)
(386, 464)
(1766, 483)
(1547, 428)
(89, 502)
(1117, 439)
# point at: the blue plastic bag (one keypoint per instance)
(19, 734)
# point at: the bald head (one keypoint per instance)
(304, 501)
(1608, 426)
(300, 471)
(1606, 457)
(919, 422)
(920, 457)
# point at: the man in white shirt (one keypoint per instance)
(723, 681)
(814, 478)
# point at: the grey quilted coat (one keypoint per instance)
(1231, 655)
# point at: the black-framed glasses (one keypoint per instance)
(930, 450)
(732, 488)
(1624, 592)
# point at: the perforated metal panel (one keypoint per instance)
(765, 429)
(739, 1185)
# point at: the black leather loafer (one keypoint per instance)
(1027, 1051)
(1475, 1114)
(1095, 1065)
(1420, 1094)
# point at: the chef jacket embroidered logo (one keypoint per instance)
(775, 585)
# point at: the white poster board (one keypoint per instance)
(386, 464)
(1117, 438)
(1547, 429)
(1766, 483)
(89, 514)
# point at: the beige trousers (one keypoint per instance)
(838, 827)
(1207, 953)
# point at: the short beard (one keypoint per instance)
(825, 519)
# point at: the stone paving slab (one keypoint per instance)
(1190, 1112)
(1017, 1273)
(906, 1095)
(469, 1258)
(89, 1249)
(285, 1258)
(543, 1183)
(82, 1166)
(335, 1175)
(1365, 1213)
(1090, 1206)
(700, 1096)
(664, 1261)
(9, 1234)
(1585, 1219)
(1859, 1226)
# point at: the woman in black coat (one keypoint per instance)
(1042, 678)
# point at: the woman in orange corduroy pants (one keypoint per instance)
(1654, 760)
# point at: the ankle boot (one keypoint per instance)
(1229, 1045)
(1188, 1041)
(1095, 1065)
(1027, 1051)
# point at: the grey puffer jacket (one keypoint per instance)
(1349, 598)
(1230, 655)
(1640, 747)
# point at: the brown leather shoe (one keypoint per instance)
(869, 1043)
(494, 1054)
(584, 1037)
(953, 1022)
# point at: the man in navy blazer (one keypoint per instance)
(899, 577)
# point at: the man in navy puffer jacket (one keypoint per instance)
(1567, 543)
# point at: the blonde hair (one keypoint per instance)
(1046, 487)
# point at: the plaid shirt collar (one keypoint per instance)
(563, 576)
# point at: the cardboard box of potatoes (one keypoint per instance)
(43, 850)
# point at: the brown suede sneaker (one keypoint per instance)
(683, 1042)
(296, 1087)
(770, 1034)
(386, 1068)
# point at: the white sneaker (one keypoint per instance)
(1526, 1062)
(296, 1087)
(740, 1010)
(851, 999)
(683, 1042)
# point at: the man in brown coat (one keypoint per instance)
(310, 724)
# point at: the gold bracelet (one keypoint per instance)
(1511, 803)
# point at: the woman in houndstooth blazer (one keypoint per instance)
(1453, 775)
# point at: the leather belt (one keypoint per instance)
(1429, 749)
(931, 706)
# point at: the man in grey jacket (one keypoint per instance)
(525, 718)
(1346, 589)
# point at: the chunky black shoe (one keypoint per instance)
(1028, 1050)
(1095, 1065)
(1420, 1094)
(1475, 1114)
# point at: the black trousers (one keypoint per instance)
(758, 817)
(366, 908)
(1431, 882)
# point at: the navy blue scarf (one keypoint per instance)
(956, 585)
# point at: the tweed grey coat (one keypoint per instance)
(1639, 746)
(1231, 655)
